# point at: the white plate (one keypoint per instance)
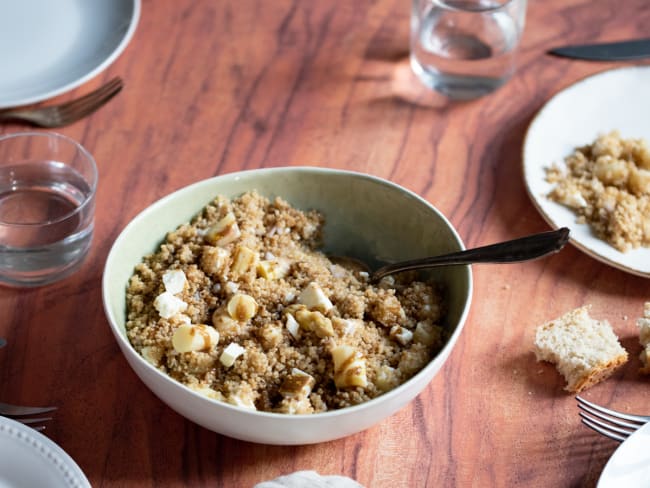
(50, 47)
(616, 99)
(28, 458)
(630, 463)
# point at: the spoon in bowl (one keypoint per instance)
(523, 249)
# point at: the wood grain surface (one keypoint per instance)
(215, 87)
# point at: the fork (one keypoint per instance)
(20, 414)
(610, 423)
(65, 113)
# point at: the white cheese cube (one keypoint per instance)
(293, 326)
(174, 281)
(231, 287)
(314, 298)
(169, 305)
(230, 354)
(401, 335)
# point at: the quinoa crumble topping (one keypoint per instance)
(607, 184)
(239, 306)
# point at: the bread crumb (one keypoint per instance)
(584, 350)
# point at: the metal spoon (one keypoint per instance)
(522, 249)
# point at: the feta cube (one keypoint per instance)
(174, 281)
(293, 326)
(230, 354)
(169, 305)
(314, 298)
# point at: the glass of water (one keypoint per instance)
(465, 49)
(47, 206)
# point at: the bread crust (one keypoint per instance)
(584, 350)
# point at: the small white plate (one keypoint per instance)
(617, 99)
(630, 463)
(28, 458)
(50, 47)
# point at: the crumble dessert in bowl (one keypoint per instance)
(224, 303)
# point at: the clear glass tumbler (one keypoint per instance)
(47, 206)
(465, 49)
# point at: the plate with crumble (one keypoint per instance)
(586, 166)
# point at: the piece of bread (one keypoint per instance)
(584, 350)
(644, 338)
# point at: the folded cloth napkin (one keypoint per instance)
(309, 479)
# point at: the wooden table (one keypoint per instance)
(215, 87)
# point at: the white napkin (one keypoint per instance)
(309, 479)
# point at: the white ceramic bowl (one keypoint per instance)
(366, 217)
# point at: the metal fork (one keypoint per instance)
(65, 113)
(610, 423)
(21, 414)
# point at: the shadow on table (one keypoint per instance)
(393, 81)
(582, 454)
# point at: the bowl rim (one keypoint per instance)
(440, 357)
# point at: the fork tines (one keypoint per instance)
(83, 106)
(64, 113)
(22, 414)
(610, 423)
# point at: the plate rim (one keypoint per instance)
(612, 458)
(526, 173)
(47, 449)
(71, 85)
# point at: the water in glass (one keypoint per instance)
(46, 221)
(465, 48)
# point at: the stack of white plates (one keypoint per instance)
(48, 48)
(28, 458)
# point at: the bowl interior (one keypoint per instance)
(366, 218)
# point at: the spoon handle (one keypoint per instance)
(522, 249)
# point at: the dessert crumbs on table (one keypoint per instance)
(240, 306)
(607, 184)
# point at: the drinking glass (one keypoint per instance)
(465, 49)
(47, 203)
